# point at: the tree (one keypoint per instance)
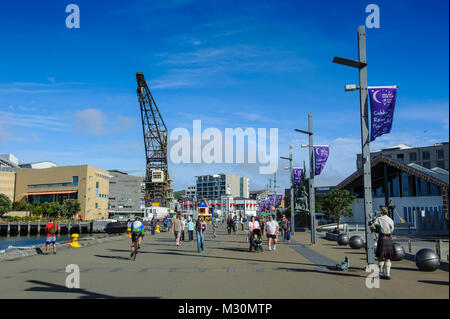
(337, 204)
(5, 204)
(19, 206)
(57, 209)
(71, 207)
(50, 209)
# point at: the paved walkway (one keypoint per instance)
(224, 270)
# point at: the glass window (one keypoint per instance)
(441, 164)
(427, 165)
(434, 190)
(412, 157)
(395, 187)
(75, 180)
(426, 155)
(440, 154)
(96, 205)
(405, 185)
(400, 157)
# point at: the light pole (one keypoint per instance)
(312, 209)
(361, 65)
(292, 188)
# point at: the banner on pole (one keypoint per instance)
(320, 158)
(298, 172)
(382, 104)
(278, 200)
(271, 200)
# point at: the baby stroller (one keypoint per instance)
(257, 242)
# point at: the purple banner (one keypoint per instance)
(320, 158)
(298, 172)
(262, 205)
(271, 200)
(278, 200)
(382, 104)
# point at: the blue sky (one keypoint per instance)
(69, 95)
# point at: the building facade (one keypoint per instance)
(7, 182)
(420, 195)
(429, 157)
(215, 186)
(191, 193)
(88, 184)
(126, 195)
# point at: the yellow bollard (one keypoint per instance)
(157, 228)
(74, 242)
(129, 232)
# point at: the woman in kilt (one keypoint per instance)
(385, 251)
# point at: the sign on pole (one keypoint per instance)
(382, 104)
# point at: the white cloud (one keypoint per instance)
(32, 121)
(90, 121)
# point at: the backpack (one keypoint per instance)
(52, 229)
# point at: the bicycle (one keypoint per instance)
(135, 238)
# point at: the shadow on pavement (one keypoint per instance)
(320, 272)
(49, 287)
(231, 258)
(404, 268)
(435, 282)
(113, 257)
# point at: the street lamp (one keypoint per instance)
(361, 65)
(292, 188)
(312, 211)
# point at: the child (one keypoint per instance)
(288, 236)
(214, 224)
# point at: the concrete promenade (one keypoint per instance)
(224, 270)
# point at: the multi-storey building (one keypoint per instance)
(215, 186)
(191, 193)
(88, 184)
(126, 196)
(427, 156)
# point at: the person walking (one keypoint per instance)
(214, 226)
(184, 227)
(252, 224)
(385, 251)
(272, 230)
(229, 223)
(200, 229)
(235, 223)
(262, 222)
(177, 225)
(51, 228)
(153, 225)
(190, 227)
(285, 226)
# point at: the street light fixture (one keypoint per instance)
(351, 87)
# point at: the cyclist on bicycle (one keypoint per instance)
(137, 232)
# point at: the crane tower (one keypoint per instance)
(157, 182)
